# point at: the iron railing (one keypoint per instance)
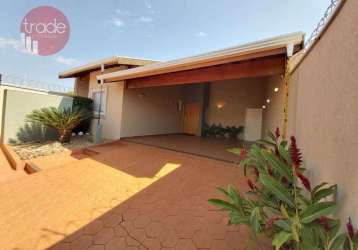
(22, 82)
(322, 23)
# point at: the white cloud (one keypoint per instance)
(145, 19)
(201, 34)
(148, 4)
(123, 12)
(117, 22)
(67, 60)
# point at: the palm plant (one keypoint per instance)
(61, 119)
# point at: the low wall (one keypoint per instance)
(16, 104)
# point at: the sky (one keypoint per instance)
(150, 29)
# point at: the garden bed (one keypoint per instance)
(28, 151)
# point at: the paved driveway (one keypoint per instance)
(128, 196)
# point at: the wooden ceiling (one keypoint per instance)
(265, 66)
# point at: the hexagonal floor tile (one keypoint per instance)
(185, 244)
(154, 229)
(103, 236)
(202, 239)
(116, 244)
(83, 242)
(141, 221)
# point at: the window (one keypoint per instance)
(99, 100)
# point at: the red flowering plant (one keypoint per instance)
(281, 202)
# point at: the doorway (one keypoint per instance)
(191, 118)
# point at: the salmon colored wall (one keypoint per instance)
(234, 96)
(273, 114)
(82, 86)
(111, 121)
(323, 108)
(151, 111)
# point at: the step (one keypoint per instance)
(6, 171)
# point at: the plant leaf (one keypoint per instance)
(222, 204)
(255, 219)
(283, 224)
(285, 154)
(337, 243)
(316, 188)
(317, 210)
(280, 239)
(295, 227)
(236, 151)
(277, 189)
(324, 192)
(278, 165)
(284, 211)
(236, 218)
(355, 241)
(335, 226)
(266, 142)
(223, 191)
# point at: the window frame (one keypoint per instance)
(104, 100)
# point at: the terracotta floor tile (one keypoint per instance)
(82, 242)
(141, 221)
(185, 244)
(154, 229)
(96, 247)
(116, 244)
(128, 196)
(103, 236)
(152, 244)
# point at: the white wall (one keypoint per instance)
(151, 111)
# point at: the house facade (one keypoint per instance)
(320, 100)
(238, 86)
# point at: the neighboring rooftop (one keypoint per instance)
(268, 47)
(111, 61)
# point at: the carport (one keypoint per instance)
(238, 86)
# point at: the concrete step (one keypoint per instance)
(6, 171)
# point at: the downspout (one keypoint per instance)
(100, 96)
(98, 133)
(289, 53)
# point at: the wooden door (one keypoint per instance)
(191, 118)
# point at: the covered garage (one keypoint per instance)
(237, 87)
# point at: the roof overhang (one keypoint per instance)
(107, 62)
(263, 48)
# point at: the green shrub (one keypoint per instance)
(282, 203)
(220, 131)
(61, 119)
(83, 103)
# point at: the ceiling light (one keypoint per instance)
(220, 105)
(268, 100)
(276, 89)
(263, 106)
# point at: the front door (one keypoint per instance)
(191, 118)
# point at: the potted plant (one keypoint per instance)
(61, 119)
